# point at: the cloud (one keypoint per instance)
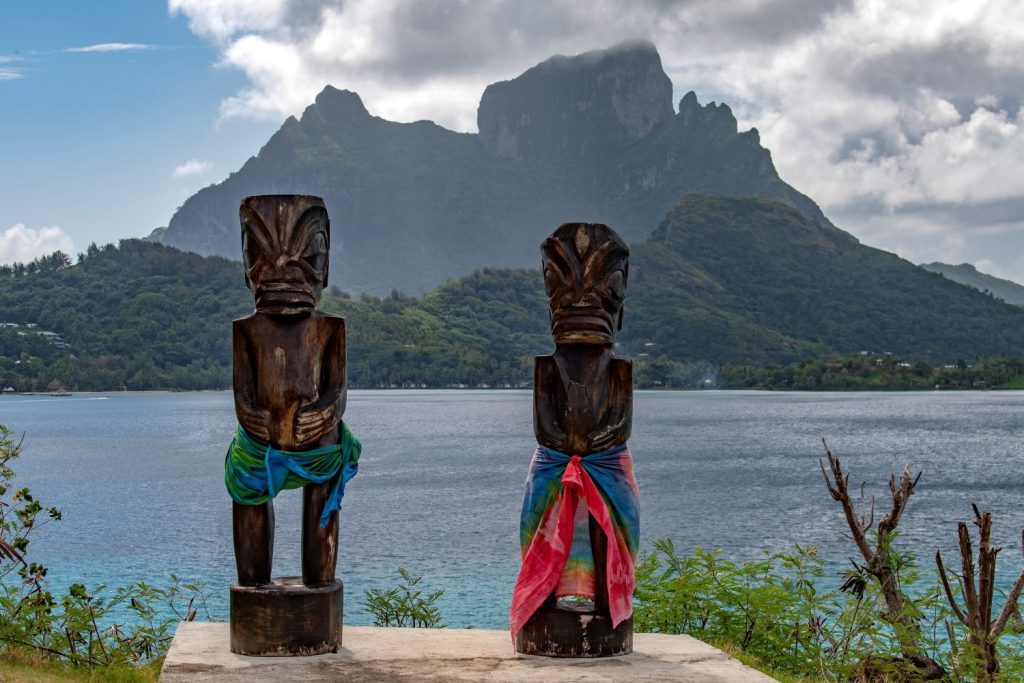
(19, 243)
(190, 168)
(411, 60)
(112, 47)
(9, 72)
(890, 115)
(221, 19)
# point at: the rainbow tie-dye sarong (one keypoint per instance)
(554, 530)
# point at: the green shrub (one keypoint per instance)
(405, 604)
(774, 611)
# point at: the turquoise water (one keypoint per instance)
(139, 479)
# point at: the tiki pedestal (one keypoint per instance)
(567, 630)
(286, 618)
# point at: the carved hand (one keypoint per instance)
(550, 432)
(256, 421)
(604, 438)
(313, 423)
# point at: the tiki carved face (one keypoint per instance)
(286, 241)
(585, 269)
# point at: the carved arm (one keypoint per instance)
(256, 421)
(315, 420)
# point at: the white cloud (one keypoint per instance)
(221, 19)
(20, 243)
(190, 168)
(10, 73)
(889, 115)
(111, 47)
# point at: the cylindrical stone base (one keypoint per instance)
(286, 618)
(568, 631)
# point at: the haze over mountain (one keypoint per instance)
(967, 274)
(593, 137)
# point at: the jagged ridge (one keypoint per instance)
(591, 137)
(967, 274)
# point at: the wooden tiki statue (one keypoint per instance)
(583, 395)
(583, 404)
(290, 393)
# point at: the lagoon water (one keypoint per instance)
(139, 478)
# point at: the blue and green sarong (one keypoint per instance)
(256, 472)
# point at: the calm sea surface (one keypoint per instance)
(139, 478)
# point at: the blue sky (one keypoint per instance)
(903, 121)
(90, 140)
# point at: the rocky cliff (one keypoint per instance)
(592, 137)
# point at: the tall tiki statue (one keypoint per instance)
(289, 386)
(580, 517)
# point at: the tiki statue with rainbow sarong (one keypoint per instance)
(290, 391)
(580, 518)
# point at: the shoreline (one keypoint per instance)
(526, 390)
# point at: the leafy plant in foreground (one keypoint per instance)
(771, 608)
(405, 604)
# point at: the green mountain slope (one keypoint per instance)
(741, 281)
(966, 274)
(730, 279)
(140, 316)
(592, 137)
(148, 316)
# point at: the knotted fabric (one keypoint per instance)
(256, 472)
(554, 536)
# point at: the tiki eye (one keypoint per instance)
(315, 253)
(617, 284)
(251, 251)
(553, 279)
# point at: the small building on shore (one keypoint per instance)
(7, 390)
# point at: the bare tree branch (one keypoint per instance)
(879, 560)
(983, 633)
(837, 488)
(1011, 602)
(949, 591)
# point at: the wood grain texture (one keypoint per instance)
(286, 618)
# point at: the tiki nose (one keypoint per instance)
(284, 267)
(585, 299)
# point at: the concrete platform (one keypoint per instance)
(200, 652)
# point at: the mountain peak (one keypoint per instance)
(592, 137)
(340, 105)
(692, 113)
(561, 107)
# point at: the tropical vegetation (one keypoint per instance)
(726, 292)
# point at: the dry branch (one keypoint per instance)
(976, 615)
(879, 559)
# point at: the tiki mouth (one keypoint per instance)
(583, 326)
(284, 298)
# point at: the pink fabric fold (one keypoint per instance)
(547, 553)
